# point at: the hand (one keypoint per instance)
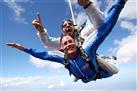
(17, 46)
(61, 49)
(38, 23)
(83, 2)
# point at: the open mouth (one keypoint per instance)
(70, 47)
(68, 30)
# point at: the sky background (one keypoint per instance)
(22, 72)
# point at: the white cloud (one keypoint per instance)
(129, 11)
(64, 82)
(50, 86)
(126, 49)
(61, 83)
(39, 63)
(81, 17)
(128, 26)
(17, 9)
(32, 82)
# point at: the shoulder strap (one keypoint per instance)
(87, 59)
(66, 63)
(78, 39)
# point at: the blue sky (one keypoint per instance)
(22, 72)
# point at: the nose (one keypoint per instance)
(67, 25)
(68, 46)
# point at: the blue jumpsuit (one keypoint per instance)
(79, 68)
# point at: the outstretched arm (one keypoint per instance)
(106, 27)
(17, 46)
(41, 55)
(48, 41)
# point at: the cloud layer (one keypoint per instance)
(39, 63)
(129, 12)
(18, 11)
(33, 83)
(126, 47)
(119, 81)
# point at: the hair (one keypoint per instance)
(66, 20)
(62, 35)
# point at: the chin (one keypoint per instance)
(69, 33)
(72, 54)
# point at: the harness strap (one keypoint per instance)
(66, 63)
(78, 39)
(87, 59)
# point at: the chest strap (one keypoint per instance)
(91, 65)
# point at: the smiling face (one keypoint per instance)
(68, 27)
(69, 46)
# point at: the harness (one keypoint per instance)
(79, 40)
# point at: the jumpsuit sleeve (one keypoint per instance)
(45, 55)
(96, 17)
(48, 41)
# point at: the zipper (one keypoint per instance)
(78, 68)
